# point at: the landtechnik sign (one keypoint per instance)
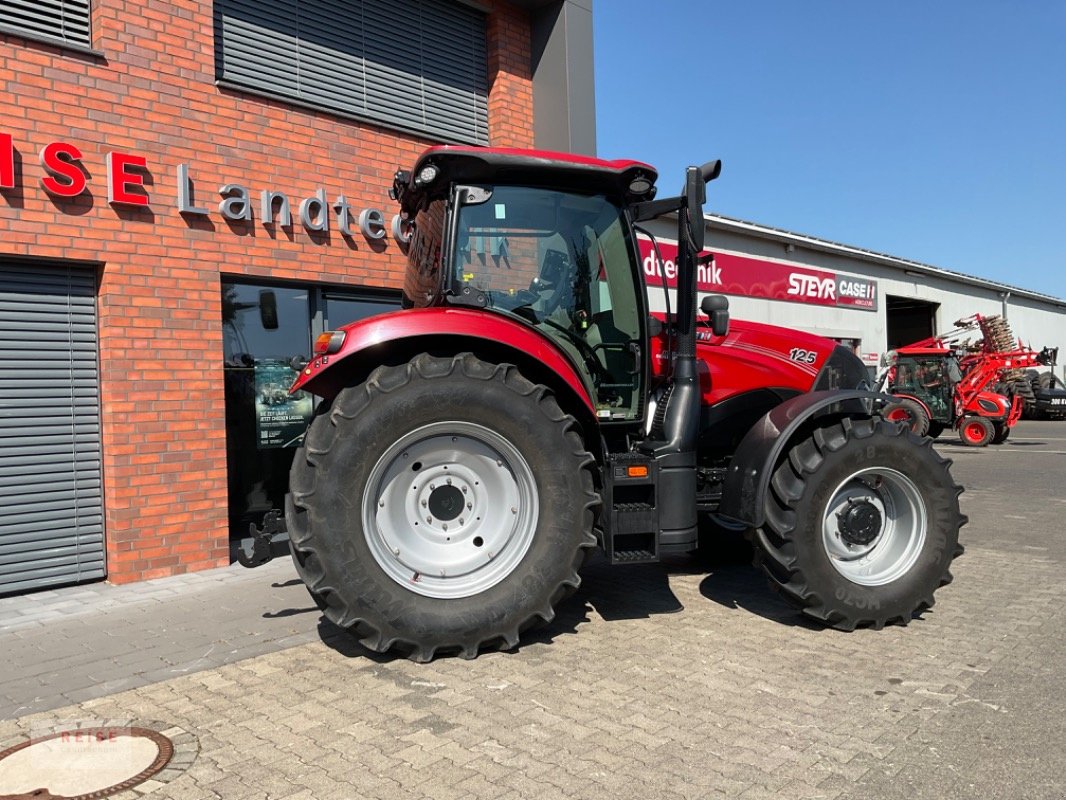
(725, 273)
(64, 176)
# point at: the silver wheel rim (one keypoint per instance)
(450, 510)
(898, 542)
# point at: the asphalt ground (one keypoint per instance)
(653, 682)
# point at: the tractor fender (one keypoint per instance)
(904, 396)
(382, 339)
(748, 477)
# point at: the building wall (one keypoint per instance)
(151, 91)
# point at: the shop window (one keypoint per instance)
(415, 65)
(267, 335)
(58, 21)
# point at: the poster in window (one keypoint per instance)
(280, 418)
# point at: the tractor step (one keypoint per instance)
(631, 535)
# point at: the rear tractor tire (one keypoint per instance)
(862, 524)
(976, 431)
(909, 413)
(442, 506)
(1000, 432)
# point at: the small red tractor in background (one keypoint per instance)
(979, 388)
(525, 407)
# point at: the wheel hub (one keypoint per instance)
(450, 509)
(874, 526)
(861, 523)
(445, 502)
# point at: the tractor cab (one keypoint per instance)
(930, 375)
(543, 239)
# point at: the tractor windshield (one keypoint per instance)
(563, 263)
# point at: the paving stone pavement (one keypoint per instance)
(654, 682)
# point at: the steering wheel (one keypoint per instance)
(554, 285)
(583, 347)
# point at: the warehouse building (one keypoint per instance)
(869, 301)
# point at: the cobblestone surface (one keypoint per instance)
(659, 682)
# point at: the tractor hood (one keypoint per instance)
(754, 356)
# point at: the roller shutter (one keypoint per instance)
(63, 21)
(51, 508)
(417, 65)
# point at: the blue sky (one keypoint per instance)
(933, 131)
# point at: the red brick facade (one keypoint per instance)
(152, 92)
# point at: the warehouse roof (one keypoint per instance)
(915, 268)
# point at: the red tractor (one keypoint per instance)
(947, 381)
(525, 408)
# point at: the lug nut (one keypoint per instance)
(432, 486)
(445, 526)
(469, 506)
(464, 490)
(449, 481)
(514, 510)
(429, 520)
(462, 521)
(424, 504)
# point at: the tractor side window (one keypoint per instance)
(422, 279)
(562, 262)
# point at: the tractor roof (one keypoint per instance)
(496, 165)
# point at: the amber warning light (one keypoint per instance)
(637, 472)
(329, 343)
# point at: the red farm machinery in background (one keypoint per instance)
(978, 387)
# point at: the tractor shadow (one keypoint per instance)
(741, 587)
(734, 583)
(627, 593)
(612, 593)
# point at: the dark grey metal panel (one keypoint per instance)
(564, 96)
(51, 503)
(417, 65)
(64, 20)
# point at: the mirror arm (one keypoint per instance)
(650, 209)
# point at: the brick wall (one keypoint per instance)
(152, 93)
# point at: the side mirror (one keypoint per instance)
(268, 309)
(695, 197)
(716, 308)
(696, 180)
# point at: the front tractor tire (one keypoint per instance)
(862, 524)
(976, 431)
(442, 506)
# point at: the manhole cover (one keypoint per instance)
(89, 762)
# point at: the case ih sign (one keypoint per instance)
(753, 277)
